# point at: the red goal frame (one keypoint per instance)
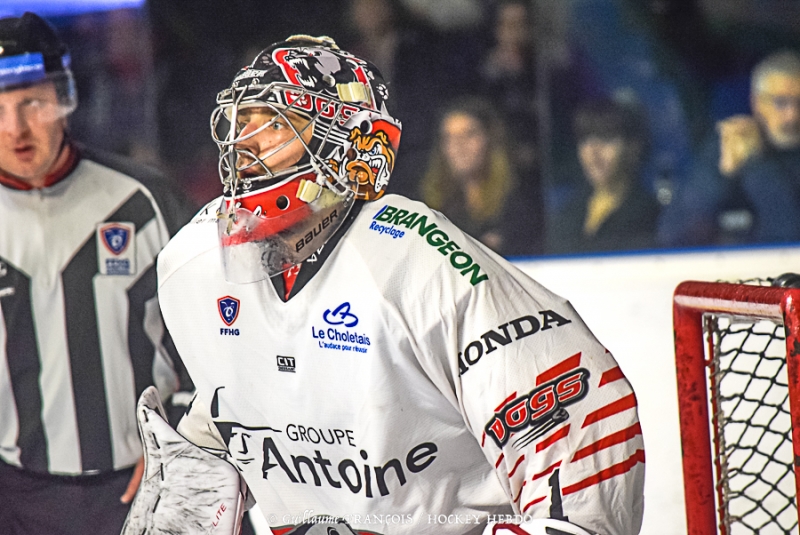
(692, 301)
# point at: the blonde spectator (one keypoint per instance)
(472, 180)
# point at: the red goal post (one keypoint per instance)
(696, 307)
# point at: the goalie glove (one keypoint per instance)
(185, 489)
(539, 526)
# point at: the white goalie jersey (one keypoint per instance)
(418, 383)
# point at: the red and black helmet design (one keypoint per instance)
(273, 218)
(334, 89)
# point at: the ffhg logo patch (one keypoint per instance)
(228, 309)
(115, 237)
(116, 248)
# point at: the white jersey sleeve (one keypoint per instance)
(552, 410)
(549, 405)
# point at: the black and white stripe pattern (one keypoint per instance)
(77, 347)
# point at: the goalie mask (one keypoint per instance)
(303, 133)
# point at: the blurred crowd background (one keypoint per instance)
(541, 127)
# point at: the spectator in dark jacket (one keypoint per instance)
(745, 187)
(610, 209)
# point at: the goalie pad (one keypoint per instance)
(184, 489)
(539, 526)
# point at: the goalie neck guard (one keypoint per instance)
(334, 105)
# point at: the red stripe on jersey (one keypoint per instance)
(281, 531)
(289, 277)
(520, 492)
(499, 460)
(503, 404)
(609, 376)
(546, 471)
(628, 402)
(555, 437)
(608, 473)
(533, 502)
(511, 473)
(615, 438)
(483, 439)
(559, 369)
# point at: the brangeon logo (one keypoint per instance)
(436, 238)
(506, 334)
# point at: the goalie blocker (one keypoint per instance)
(185, 489)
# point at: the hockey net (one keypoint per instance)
(734, 349)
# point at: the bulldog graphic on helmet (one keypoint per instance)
(303, 132)
(369, 156)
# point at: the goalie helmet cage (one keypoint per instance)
(739, 406)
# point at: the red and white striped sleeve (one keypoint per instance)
(556, 417)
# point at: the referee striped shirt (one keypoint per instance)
(79, 343)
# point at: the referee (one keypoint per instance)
(80, 329)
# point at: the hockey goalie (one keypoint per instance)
(362, 364)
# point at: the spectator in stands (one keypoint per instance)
(472, 180)
(447, 15)
(746, 185)
(383, 32)
(508, 76)
(115, 73)
(610, 209)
